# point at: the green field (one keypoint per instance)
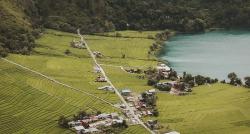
(219, 109)
(32, 104)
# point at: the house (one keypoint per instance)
(90, 130)
(103, 116)
(97, 54)
(74, 123)
(173, 132)
(126, 92)
(79, 128)
(106, 88)
(163, 68)
(114, 115)
(97, 69)
(77, 44)
(101, 79)
(152, 91)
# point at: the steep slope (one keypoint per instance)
(15, 27)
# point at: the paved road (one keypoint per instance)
(134, 116)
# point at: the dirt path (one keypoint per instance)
(132, 113)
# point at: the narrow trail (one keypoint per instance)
(60, 83)
(131, 111)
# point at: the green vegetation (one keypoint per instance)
(16, 32)
(216, 109)
(34, 104)
(247, 82)
(23, 20)
(31, 104)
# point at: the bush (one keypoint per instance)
(152, 81)
(163, 87)
(150, 37)
(247, 82)
(200, 80)
(3, 52)
(223, 81)
(155, 112)
(118, 35)
(67, 52)
(63, 122)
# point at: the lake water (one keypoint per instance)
(213, 54)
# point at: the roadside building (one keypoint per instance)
(126, 92)
(77, 44)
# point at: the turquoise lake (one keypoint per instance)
(213, 54)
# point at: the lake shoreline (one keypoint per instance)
(220, 41)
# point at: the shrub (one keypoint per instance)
(155, 112)
(63, 122)
(152, 81)
(118, 35)
(223, 81)
(67, 52)
(247, 82)
(3, 52)
(150, 37)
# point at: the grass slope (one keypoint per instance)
(32, 104)
(219, 109)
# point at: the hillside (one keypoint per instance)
(32, 103)
(21, 17)
(17, 32)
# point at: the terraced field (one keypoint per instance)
(219, 109)
(32, 104)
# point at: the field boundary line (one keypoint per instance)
(60, 83)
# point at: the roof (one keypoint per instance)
(163, 66)
(126, 91)
(78, 128)
(152, 90)
(173, 132)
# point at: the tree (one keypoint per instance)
(200, 80)
(152, 81)
(3, 52)
(155, 112)
(247, 82)
(232, 76)
(187, 78)
(67, 52)
(238, 81)
(118, 35)
(63, 122)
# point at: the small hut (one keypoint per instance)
(77, 44)
(101, 79)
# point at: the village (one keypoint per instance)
(142, 105)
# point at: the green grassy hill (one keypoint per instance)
(32, 104)
(216, 109)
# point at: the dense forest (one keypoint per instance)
(22, 20)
